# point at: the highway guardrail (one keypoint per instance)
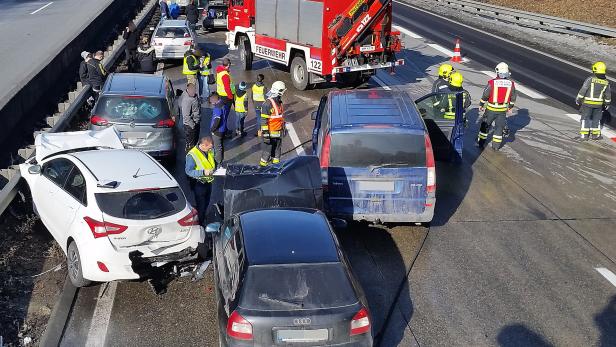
(528, 19)
(68, 109)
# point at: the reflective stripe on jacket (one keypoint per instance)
(220, 86)
(595, 92)
(258, 93)
(499, 95)
(203, 163)
(273, 120)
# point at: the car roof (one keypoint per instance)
(287, 236)
(359, 108)
(173, 23)
(135, 84)
(132, 169)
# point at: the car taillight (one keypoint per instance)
(98, 120)
(325, 160)
(360, 323)
(238, 327)
(165, 123)
(431, 182)
(188, 43)
(102, 229)
(191, 219)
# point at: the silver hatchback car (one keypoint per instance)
(141, 108)
(172, 38)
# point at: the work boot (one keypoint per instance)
(480, 144)
(583, 137)
(495, 148)
(596, 137)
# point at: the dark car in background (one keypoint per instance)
(376, 157)
(284, 280)
(215, 15)
(140, 107)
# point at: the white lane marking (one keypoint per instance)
(605, 131)
(381, 83)
(500, 38)
(609, 275)
(102, 315)
(42, 8)
(447, 52)
(295, 139)
(522, 89)
(407, 32)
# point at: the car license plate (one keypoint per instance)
(298, 336)
(376, 186)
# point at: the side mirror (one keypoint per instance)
(34, 170)
(313, 115)
(338, 223)
(212, 228)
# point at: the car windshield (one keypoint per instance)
(142, 205)
(172, 33)
(297, 286)
(132, 109)
(377, 149)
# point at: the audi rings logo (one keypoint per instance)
(302, 321)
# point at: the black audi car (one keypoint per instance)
(282, 278)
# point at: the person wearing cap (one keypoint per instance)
(594, 97)
(241, 107)
(83, 68)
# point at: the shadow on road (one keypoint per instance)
(606, 322)
(519, 335)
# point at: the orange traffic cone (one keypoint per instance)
(457, 57)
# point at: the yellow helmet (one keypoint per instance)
(599, 67)
(456, 79)
(445, 70)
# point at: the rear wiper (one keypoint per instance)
(291, 303)
(372, 167)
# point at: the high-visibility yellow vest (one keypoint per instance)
(220, 87)
(258, 93)
(205, 71)
(203, 163)
(239, 103)
(185, 69)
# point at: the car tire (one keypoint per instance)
(299, 73)
(75, 270)
(246, 55)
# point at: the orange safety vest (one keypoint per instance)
(275, 122)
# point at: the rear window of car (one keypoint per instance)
(296, 286)
(172, 33)
(372, 149)
(142, 205)
(132, 109)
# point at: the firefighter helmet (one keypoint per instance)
(445, 70)
(456, 79)
(599, 67)
(502, 70)
(278, 88)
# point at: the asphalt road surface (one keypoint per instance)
(35, 31)
(521, 251)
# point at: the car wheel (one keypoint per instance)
(299, 73)
(75, 270)
(245, 53)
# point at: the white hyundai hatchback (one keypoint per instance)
(116, 213)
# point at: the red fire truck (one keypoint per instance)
(318, 40)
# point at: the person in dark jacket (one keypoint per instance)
(96, 72)
(218, 127)
(164, 10)
(145, 56)
(83, 68)
(192, 14)
(131, 36)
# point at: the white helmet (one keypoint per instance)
(278, 88)
(502, 70)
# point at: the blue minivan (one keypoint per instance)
(376, 157)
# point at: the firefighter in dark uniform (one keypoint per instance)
(272, 125)
(496, 103)
(454, 86)
(442, 81)
(593, 98)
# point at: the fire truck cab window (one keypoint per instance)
(238, 2)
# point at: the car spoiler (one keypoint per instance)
(295, 183)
